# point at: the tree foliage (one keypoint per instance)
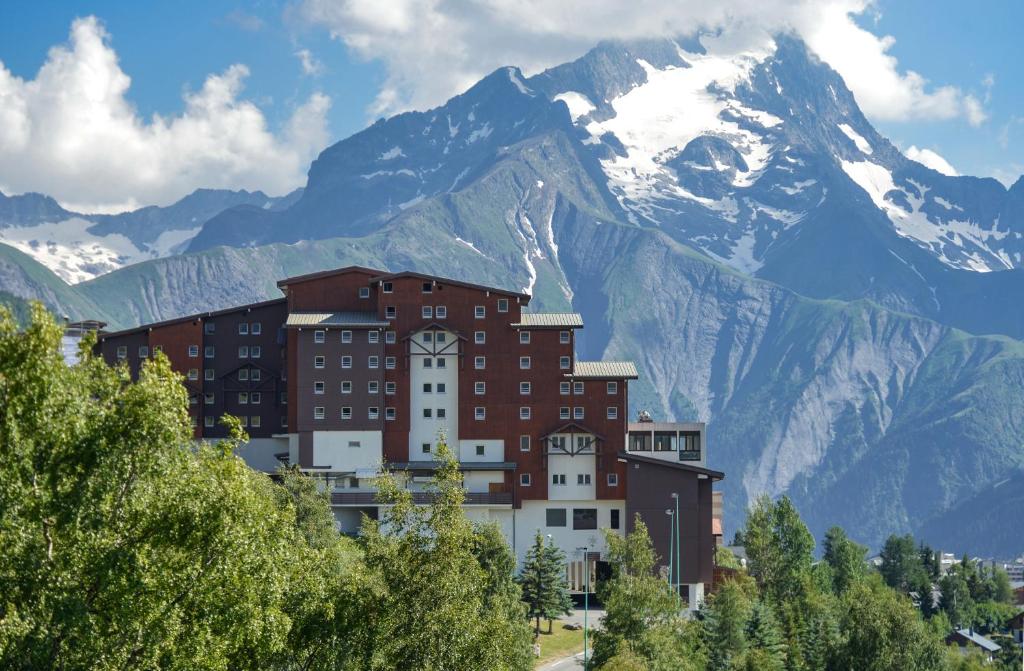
(542, 579)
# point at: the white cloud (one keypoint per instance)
(931, 159)
(310, 65)
(72, 133)
(433, 49)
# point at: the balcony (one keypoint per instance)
(472, 498)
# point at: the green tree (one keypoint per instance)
(779, 547)
(845, 558)
(542, 579)
(725, 623)
(427, 606)
(900, 563)
(767, 647)
(726, 559)
(956, 599)
(930, 560)
(1002, 590)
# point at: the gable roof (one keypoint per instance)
(329, 273)
(572, 427)
(539, 320)
(189, 318)
(681, 466)
(525, 298)
(973, 637)
(597, 370)
(334, 319)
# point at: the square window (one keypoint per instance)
(425, 448)
(615, 511)
(389, 362)
(428, 336)
(318, 387)
(524, 412)
(441, 413)
(122, 352)
(563, 388)
(524, 363)
(479, 413)
(346, 361)
(389, 388)
(613, 481)
(284, 422)
(563, 412)
(479, 450)
(524, 479)
(563, 337)
(346, 412)
(208, 422)
(373, 412)
(555, 517)
(428, 362)
(284, 398)
(243, 329)
(346, 386)
(524, 443)
(318, 412)
(373, 337)
(209, 374)
(208, 351)
(390, 312)
(319, 337)
(254, 375)
(193, 351)
(346, 337)
(613, 387)
(480, 337)
(558, 478)
(255, 398)
(428, 312)
(479, 312)
(577, 388)
(428, 388)
(364, 292)
(428, 287)
(256, 351)
(479, 362)
(563, 362)
(243, 352)
(389, 414)
(613, 412)
(577, 413)
(389, 337)
(208, 398)
(373, 361)
(479, 388)
(243, 398)
(524, 337)
(441, 388)
(583, 478)
(193, 373)
(372, 387)
(319, 362)
(428, 413)
(257, 328)
(524, 388)
(441, 312)
(502, 305)
(387, 287)
(209, 327)
(441, 362)
(255, 421)
(441, 337)
(584, 518)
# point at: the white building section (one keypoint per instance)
(434, 391)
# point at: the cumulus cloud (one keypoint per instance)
(931, 159)
(310, 65)
(71, 132)
(433, 49)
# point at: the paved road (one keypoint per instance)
(566, 664)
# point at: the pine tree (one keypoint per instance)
(557, 601)
(543, 582)
(767, 648)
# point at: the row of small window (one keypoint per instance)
(244, 398)
(346, 362)
(254, 422)
(582, 518)
(426, 447)
(210, 374)
(372, 387)
(427, 288)
(564, 337)
(525, 362)
(373, 337)
(244, 328)
(582, 479)
(373, 412)
(525, 412)
(244, 352)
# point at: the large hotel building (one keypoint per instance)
(356, 369)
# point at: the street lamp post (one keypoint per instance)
(671, 545)
(679, 558)
(586, 600)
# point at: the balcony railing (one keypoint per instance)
(472, 498)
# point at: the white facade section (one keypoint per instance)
(259, 453)
(494, 450)
(579, 473)
(347, 451)
(479, 482)
(533, 517)
(433, 387)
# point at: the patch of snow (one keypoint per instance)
(798, 187)
(471, 246)
(578, 104)
(458, 178)
(948, 205)
(540, 184)
(857, 138)
(519, 84)
(452, 130)
(411, 202)
(480, 133)
(392, 153)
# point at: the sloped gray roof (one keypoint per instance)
(978, 640)
(550, 320)
(605, 369)
(334, 319)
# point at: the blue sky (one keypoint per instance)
(368, 59)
